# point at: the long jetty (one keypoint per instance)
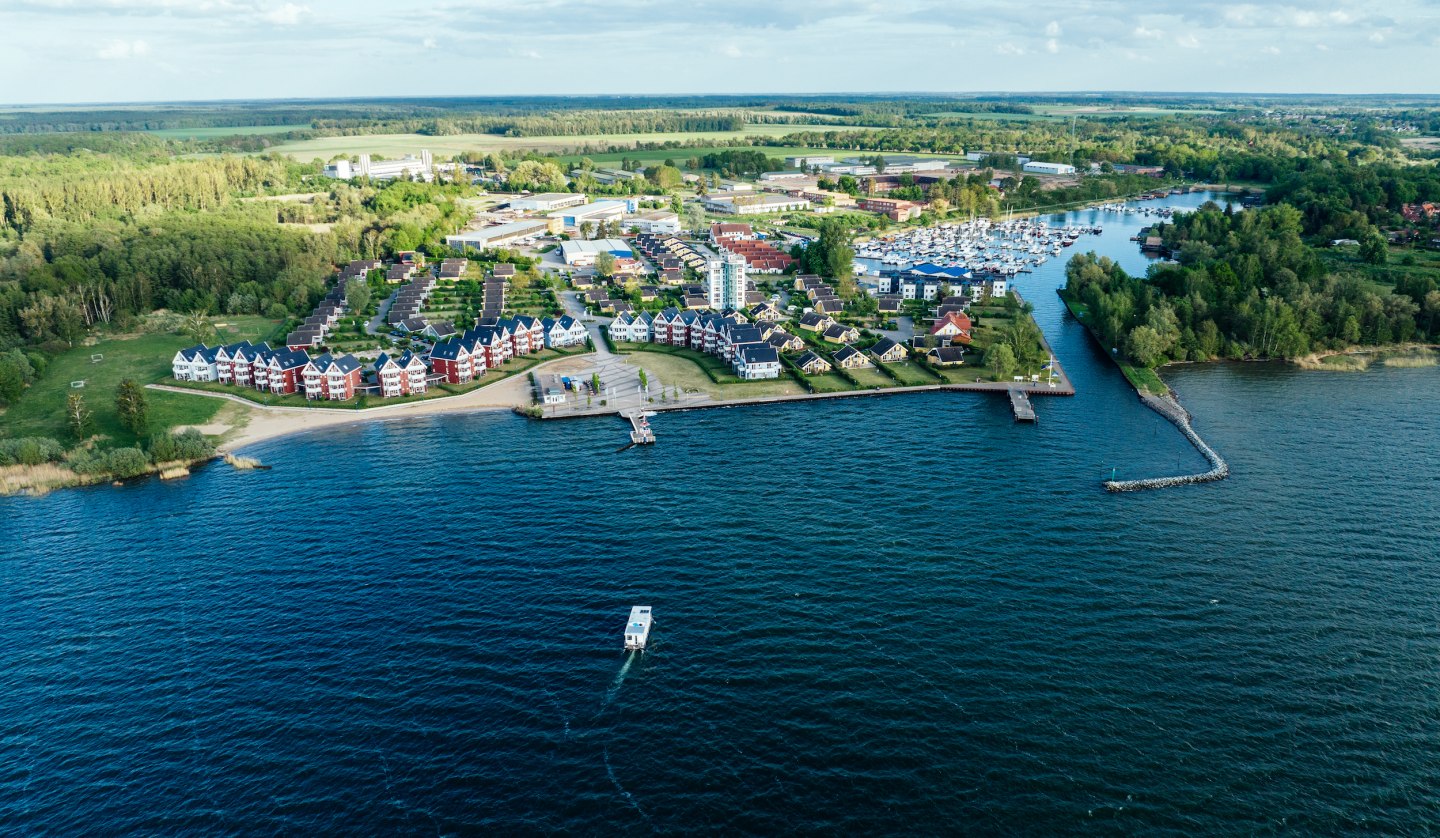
(1170, 408)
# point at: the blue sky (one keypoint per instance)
(147, 50)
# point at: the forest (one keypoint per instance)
(1246, 285)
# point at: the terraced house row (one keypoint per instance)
(283, 371)
(745, 346)
(467, 356)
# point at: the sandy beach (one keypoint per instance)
(242, 422)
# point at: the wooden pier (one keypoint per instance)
(640, 431)
(1020, 403)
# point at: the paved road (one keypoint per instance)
(905, 329)
(378, 321)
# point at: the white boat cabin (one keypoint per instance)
(637, 631)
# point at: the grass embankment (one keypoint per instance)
(696, 372)
(1144, 379)
(146, 358)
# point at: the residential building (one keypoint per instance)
(755, 361)
(840, 333)
(400, 376)
(722, 231)
(953, 326)
(888, 351)
(812, 364)
(947, 356)
(850, 358)
(805, 161)
(331, 378)
(195, 364)
(727, 278)
(453, 360)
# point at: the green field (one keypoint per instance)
(830, 382)
(211, 133)
(397, 145)
(145, 358)
(911, 374)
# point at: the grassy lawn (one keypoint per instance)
(145, 358)
(715, 369)
(674, 366)
(911, 374)
(828, 383)
(870, 378)
(962, 374)
(1143, 379)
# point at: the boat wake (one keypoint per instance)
(619, 680)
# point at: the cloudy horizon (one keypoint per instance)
(98, 51)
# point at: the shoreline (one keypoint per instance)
(262, 423)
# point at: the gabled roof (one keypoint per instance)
(845, 353)
(809, 358)
(758, 353)
(884, 345)
(449, 350)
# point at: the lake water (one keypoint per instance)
(879, 614)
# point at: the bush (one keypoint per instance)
(127, 462)
(30, 451)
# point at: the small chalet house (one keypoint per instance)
(850, 358)
(954, 327)
(754, 361)
(840, 333)
(439, 330)
(785, 342)
(195, 364)
(888, 351)
(402, 376)
(816, 322)
(812, 364)
(452, 359)
(888, 305)
(947, 356)
(330, 378)
(504, 270)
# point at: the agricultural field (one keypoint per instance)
(223, 131)
(398, 145)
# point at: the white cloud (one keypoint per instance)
(1188, 41)
(1377, 37)
(1009, 49)
(1271, 50)
(1146, 32)
(732, 50)
(429, 43)
(1052, 46)
(286, 15)
(120, 50)
(1052, 30)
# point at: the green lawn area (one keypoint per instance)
(231, 131)
(145, 358)
(869, 378)
(962, 374)
(716, 370)
(911, 374)
(828, 383)
(1143, 379)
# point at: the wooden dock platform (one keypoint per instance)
(1020, 403)
(640, 431)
